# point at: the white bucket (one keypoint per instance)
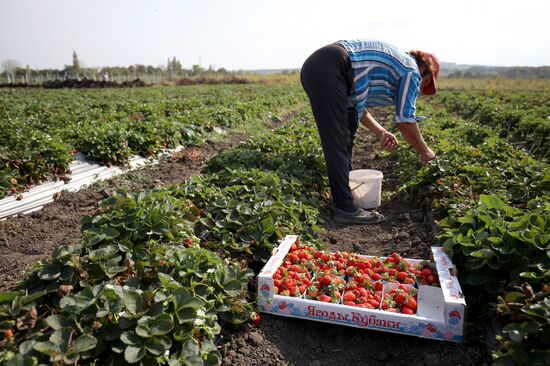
(366, 187)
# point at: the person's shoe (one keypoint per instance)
(359, 217)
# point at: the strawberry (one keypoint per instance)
(8, 334)
(426, 272)
(400, 298)
(411, 303)
(401, 276)
(349, 296)
(255, 319)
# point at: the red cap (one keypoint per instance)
(430, 88)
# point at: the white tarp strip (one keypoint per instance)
(83, 174)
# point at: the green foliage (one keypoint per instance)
(250, 210)
(109, 126)
(28, 157)
(293, 151)
(130, 291)
(105, 143)
(495, 201)
(156, 274)
(519, 117)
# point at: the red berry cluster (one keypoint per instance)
(352, 279)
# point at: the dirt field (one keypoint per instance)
(408, 229)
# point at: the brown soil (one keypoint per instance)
(408, 229)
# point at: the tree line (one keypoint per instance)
(11, 71)
(507, 72)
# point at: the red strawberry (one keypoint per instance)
(401, 276)
(411, 303)
(257, 320)
(349, 296)
(400, 298)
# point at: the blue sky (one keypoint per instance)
(256, 34)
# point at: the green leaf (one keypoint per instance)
(20, 360)
(232, 285)
(117, 346)
(155, 346)
(26, 347)
(57, 321)
(71, 357)
(143, 330)
(514, 296)
(190, 349)
(186, 315)
(493, 202)
(132, 302)
(531, 275)
(49, 272)
(61, 338)
(131, 338)
(162, 324)
(102, 253)
(83, 343)
(45, 347)
(133, 354)
(483, 253)
(183, 299)
(8, 296)
(168, 281)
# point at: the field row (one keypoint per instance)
(40, 129)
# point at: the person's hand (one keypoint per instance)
(388, 141)
(427, 156)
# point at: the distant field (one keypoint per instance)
(494, 84)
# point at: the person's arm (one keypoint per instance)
(387, 139)
(411, 133)
(405, 116)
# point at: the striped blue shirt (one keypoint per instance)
(383, 76)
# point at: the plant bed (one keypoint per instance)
(438, 312)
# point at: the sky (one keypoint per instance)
(266, 34)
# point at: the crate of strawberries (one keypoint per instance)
(394, 294)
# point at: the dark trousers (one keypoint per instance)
(327, 79)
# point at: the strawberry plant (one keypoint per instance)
(249, 211)
(492, 200)
(105, 143)
(520, 117)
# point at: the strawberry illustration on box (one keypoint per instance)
(393, 294)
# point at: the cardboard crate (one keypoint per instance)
(440, 314)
